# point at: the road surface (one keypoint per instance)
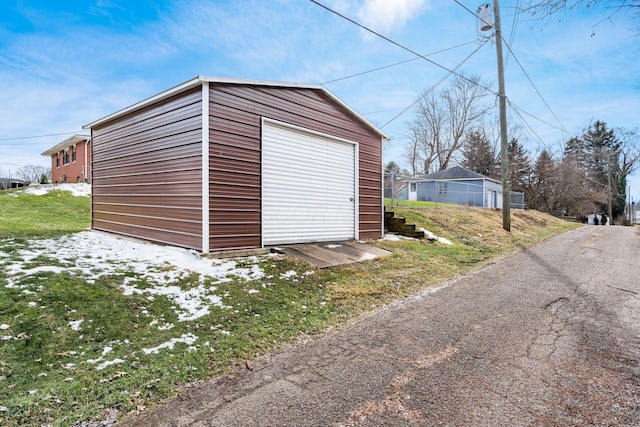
(548, 337)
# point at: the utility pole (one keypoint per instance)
(610, 189)
(504, 142)
(629, 208)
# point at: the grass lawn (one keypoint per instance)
(84, 333)
(52, 214)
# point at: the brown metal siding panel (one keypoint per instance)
(161, 235)
(146, 211)
(241, 142)
(233, 166)
(181, 201)
(159, 109)
(235, 119)
(234, 152)
(235, 241)
(145, 131)
(135, 219)
(156, 140)
(281, 104)
(152, 177)
(241, 176)
(147, 172)
(140, 188)
(166, 166)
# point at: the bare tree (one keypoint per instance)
(426, 130)
(629, 150)
(544, 9)
(412, 155)
(32, 173)
(4, 180)
(442, 121)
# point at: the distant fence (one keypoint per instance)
(517, 200)
(454, 193)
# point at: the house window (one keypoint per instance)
(73, 154)
(442, 188)
(57, 160)
(412, 187)
(65, 158)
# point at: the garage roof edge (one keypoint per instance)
(202, 79)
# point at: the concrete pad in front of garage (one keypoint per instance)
(323, 255)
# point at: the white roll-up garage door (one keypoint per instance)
(309, 186)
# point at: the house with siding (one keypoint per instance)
(71, 160)
(217, 164)
(458, 185)
(6, 183)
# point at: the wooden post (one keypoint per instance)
(504, 142)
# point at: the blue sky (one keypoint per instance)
(66, 63)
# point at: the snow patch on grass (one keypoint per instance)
(395, 237)
(103, 365)
(80, 189)
(429, 235)
(150, 269)
(185, 338)
(75, 324)
(289, 274)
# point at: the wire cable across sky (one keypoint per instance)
(518, 111)
(401, 46)
(397, 63)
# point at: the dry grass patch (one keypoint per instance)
(476, 235)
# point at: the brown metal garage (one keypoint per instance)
(284, 163)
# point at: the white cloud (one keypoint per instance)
(386, 16)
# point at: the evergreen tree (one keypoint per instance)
(603, 153)
(479, 155)
(519, 166)
(575, 150)
(543, 183)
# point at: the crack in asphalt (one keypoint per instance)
(623, 290)
(557, 300)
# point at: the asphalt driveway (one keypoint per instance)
(548, 337)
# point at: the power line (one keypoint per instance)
(467, 9)
(401, 46)
(514, 26)
(434, 86)
(535, 88)
(37, 136)
(530, 129)
(561, 128)
(511, 37)
(397, 63)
